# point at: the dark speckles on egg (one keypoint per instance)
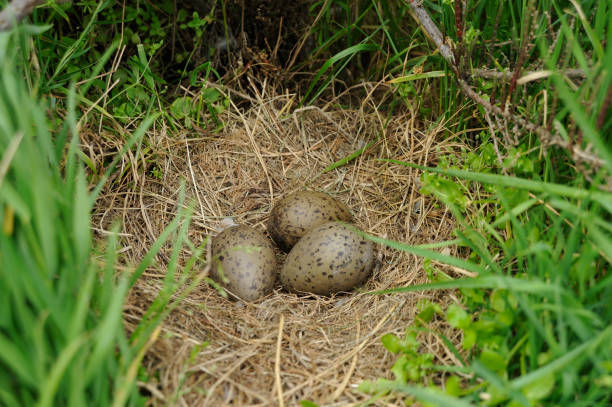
(296, 214)
(247, 259)
(343, 260)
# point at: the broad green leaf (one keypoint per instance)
(457, 317)
(181, 107)
(541, 388)
(391, 343)
(493, 360)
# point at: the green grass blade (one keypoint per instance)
(599, 51)
(50, 385)
(428, 395)
(418, 76)
(605, 337)
(603, 198)
(136, 137)
(514, 212)
(532, 286)
(340, 56)
(349, 157)
(79, 43)
(17, 361)
(430, 254)
(107, 330)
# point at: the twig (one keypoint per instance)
(495, 27)
(9, 154)
(296, 50)
(432, 31)
(277, 377)
(458, 21)
(459, 29)
(522, 54)
(546, 137)
(543, 133)
(173, 42)
(528, 76)
(495, 146)
(604, 108)
(351, 370)
(274, 54)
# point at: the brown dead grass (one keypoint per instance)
(283, 348)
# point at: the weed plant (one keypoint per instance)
(536, 320)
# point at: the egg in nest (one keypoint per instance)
(296, 214)
(244, 262)
(330, 258)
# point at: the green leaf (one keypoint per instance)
(604, 381)
(391, 343)
(457, 317)
(181, 107)
(343, 57)
(211, 95)
(540, 388)
(446, 190)
(366, 386)
(401, 368)
(469, 338)
(51, 382)
(428, 312)
(452, 387)
(493, 360)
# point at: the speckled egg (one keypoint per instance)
(293, 216)
(244, 262)
(328, 259)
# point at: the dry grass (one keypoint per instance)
(282, 348)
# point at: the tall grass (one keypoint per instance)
(62, 341)
(539, 321)
(537, 318)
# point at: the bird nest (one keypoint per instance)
(285, 347)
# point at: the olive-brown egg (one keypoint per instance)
(244, 262)
(328, 259)
(293, 216)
